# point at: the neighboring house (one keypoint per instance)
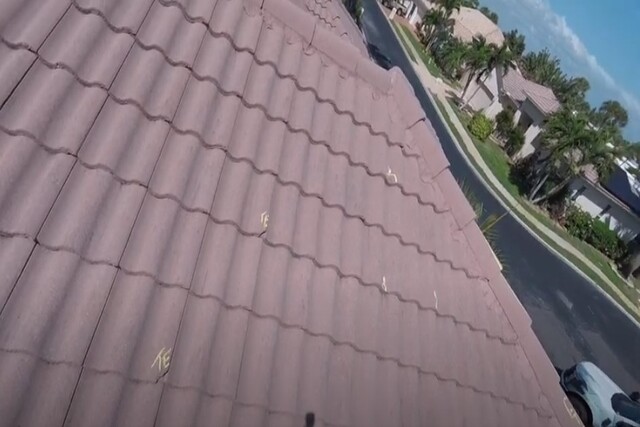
(220, 212)
(531, 102)
(469, 23)
(615, 202)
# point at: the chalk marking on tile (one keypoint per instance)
(162, 359)
(384, 284)
(392, 175)
(264, 220)
(436, 297)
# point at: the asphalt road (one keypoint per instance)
(572, 319)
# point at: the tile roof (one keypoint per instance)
(470, 23)
(218, 211)
(520, 88)
(333, 15)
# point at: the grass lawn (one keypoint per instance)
(498, 162)
(398, 29)
(424, 56)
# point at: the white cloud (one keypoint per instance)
(561, 36)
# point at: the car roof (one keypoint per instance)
(600, 382)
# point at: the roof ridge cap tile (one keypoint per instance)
(337, 48)
(406, 99)
(303, 23)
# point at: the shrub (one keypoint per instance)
(579, 223)
(606, 240)
(515, 141)
(481, 126)
(595, 232)
(504, 122)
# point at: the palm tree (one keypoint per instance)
(570, 144)
(477, 59)
(489, 14)
(516, 43)
(543, 68)
(434, 23)
(449, 5)
(572, 93)
(450, 55)
(499, 58)
(611, 113)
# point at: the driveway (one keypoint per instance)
(572, 319)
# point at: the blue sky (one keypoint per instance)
(598, 39)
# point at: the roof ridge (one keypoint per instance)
(333, 46)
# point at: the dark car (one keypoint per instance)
(597, 400)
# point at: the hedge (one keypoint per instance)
(595, 232)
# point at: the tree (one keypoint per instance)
(489, 14)
(501, 58)
(543, 68)
(435, 23)
(611, 113)
(504, 123)
(483, 58)
(570, 144)
(572, 93)
(450, 56)
(449, 6)
(516, 43)
(473, 4)
(476, 61)
(515, 141)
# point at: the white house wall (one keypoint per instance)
(481, 98)
(532, 111)
(528, 109)
(594, 201)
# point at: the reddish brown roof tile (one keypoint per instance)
(219, 211)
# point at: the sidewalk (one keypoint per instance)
(437, 88)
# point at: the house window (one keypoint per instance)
(604, 211)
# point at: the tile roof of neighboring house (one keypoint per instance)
(219, 212)
(521, 88)
(471, 22)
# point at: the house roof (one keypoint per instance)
(620, 187)
(520, 88)
(471, 22)
(220, 212)
(332, 15)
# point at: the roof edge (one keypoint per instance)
(532, 98)
(405, 97)
(507, 298)
(338, 49)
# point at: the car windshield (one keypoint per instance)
(626, 407)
